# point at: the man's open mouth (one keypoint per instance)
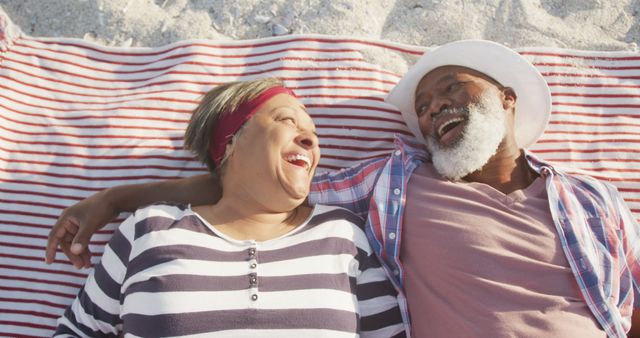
(449, 126)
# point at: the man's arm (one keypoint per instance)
(349, 188)
(79, 222)
(631, 242)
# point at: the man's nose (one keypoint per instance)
(438, 105)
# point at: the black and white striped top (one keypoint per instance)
(167, 272)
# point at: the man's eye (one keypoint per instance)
(422, 109)
(454, 86)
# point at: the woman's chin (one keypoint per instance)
(297, 192)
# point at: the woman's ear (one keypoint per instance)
(228, 150)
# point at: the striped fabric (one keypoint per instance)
(76, 117)
(166, 272)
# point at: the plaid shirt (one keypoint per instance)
(598, 234)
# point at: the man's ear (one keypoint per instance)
(509, 98)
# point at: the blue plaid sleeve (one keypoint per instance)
(349, 188)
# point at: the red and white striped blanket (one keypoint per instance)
(76, 117)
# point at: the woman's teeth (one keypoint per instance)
(300, 160)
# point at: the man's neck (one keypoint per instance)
(507, 171)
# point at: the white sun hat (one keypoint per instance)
(510, 69)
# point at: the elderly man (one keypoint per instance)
(480, 237)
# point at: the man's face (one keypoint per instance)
(461, 113)
(449, 87)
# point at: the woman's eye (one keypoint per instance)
(289, 120)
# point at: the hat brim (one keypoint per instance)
(533, 103)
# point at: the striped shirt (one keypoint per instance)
(598, 233)
(167, 272)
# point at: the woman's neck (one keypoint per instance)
(245, 220)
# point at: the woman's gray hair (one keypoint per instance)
(216, 103)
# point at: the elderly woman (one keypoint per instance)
(259, 262)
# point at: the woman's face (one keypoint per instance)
(276, 155)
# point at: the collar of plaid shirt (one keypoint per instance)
(597, 231)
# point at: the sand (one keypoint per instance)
(578, 24)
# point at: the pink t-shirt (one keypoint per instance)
(480, 263)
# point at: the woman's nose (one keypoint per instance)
(307, 139)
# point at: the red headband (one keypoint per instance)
(224, 129)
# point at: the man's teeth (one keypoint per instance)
(299, 157)
(447, 123)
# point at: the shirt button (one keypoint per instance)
(397, 152)
(392, 235)
(252, 252)
(253, 266)
(396, 191)
(254, 297)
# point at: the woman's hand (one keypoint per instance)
(76, 225)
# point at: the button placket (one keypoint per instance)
(253, 275)
(253, 280)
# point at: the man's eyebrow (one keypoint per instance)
(445, 78)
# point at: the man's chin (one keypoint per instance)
(458, 160)
(454, 170)
(441, 146)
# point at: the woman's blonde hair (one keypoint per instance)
(216, 103)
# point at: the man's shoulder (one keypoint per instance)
(584, 178)
(573, 176)
(599, 198)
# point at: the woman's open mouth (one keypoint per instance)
(299, 160)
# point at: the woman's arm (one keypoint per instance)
(95, 312)
(79, 222)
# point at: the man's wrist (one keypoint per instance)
(114, 199)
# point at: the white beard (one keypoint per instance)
(481, 137)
